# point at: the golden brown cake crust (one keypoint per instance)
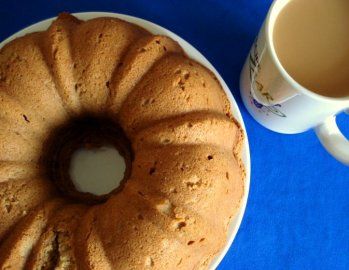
(55, 249)
(142, 55)
(97, 48)
(186, 178)
(15, 251)
(18, 197)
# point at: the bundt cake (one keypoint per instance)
(107, 81)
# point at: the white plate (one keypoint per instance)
(194, 54)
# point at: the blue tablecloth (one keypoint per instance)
(297, 215)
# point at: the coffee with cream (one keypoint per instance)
(311, 39)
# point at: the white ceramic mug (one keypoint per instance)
(279, 103)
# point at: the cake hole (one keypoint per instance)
(97, 171)
(165, 49)
(157, 41)
(202, 240)
(152, 170)
(88, 158)
(179, 225)
(26, 118)
(190, 243)
(166, 141)
(227, 175)
(183, 166)
(209, 157)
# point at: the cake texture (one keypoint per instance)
(107, 81)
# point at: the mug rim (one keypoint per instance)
(269, 27)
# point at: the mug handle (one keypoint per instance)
(333, 139)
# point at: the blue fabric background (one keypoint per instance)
(298, 210)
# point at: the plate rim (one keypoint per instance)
(193, 53)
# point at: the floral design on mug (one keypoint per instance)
(255, 68)
(267, 109)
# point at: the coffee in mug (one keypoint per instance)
(311, 39)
